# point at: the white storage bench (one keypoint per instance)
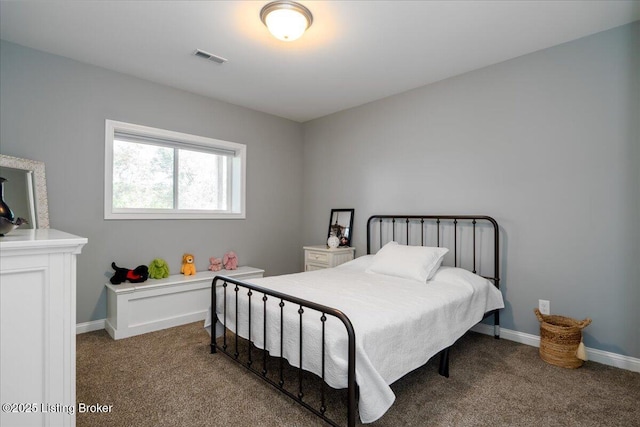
(138, 308)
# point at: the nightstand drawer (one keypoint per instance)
(320, 256)
(317, 257)
(313, 267)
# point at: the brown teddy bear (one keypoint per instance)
(188, 265)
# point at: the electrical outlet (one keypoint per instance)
(544, 306)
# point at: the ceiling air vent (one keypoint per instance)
(211, 57)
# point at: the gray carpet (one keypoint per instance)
(169, 378)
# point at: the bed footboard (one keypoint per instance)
(231, 290)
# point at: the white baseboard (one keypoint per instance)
(604, 357)
(94, 325)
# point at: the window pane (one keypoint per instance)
(160, 174)
(142, 176)
(202, 180)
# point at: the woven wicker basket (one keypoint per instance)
(560, 338)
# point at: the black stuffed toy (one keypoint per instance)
(137, 275)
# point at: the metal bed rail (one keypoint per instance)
(233, 352)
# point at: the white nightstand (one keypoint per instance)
(320, 256)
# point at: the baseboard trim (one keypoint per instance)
(600, 356)
(94, 325)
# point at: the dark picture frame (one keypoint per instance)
(341, 223)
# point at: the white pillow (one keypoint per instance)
(409, 262)
(361, 263)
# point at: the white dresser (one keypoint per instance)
(38, 327)
(318, 257)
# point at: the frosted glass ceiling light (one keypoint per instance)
(286, 20)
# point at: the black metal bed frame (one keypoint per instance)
(232, 350)
(262, 373)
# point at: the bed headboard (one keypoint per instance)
(473, 240)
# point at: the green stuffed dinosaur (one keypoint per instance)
(158, 269)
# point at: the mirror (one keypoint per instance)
(26, 190)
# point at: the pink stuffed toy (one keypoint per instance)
(215, 264)
(230, 261)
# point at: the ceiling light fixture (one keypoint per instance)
(286, 20)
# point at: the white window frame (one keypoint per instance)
(238, 173)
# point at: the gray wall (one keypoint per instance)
(547, 143)
(53, 109)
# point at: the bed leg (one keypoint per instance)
(444, 363)
(214, 326)
(496, 325)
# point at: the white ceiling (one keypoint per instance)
(355, 51)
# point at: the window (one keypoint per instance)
(159, 174)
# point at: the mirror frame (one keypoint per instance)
(39, 185)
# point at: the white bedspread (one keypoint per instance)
(399, 323)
